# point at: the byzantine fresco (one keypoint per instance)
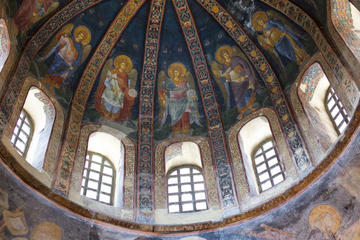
(285, 45)
(178, 106)
(328, 210)
(114, 99)
(60, 63)
(346, 19)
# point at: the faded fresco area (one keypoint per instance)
(328, 210)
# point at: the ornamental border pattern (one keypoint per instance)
(264, 69)
(301, 18)
(216, 131)
(146, 112)
(86, 82)
(32, 48)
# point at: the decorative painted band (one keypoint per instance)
(83, 90)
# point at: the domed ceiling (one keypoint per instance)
(171, 69)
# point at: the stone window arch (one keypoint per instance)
(120, 151)
(188, 153)
(245, 138)
(4, 43)
(40, 159)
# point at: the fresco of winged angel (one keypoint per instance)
(234, 77)
(116, 92)
(178, 99)
(275, 37)
(65, 53)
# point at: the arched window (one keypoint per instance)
(22, 134)
(336, 110)
(261, 158)
(312, 92)
(4, 43)
(98, 178)
(38, 113)
(267, 166)
(346, 19)
(186, 190)
(103, 170)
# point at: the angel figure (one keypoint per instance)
(65, 53)
(116, 94)
(277, 39)
(234, 77)
(178, 99)
(31, 11)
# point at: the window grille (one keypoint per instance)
(267, 166)
(186, 190)
(98, 178)
(22, 134)
(336, 110)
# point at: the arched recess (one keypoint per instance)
(4, 43)
(124, 207)
(316, 145)
(161, 209)
(341, 30)
(245, 180)
(49, 164)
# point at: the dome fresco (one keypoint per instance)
(264, 92)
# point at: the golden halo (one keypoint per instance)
(219, 52)
(327, 209)
(179, 66)
(126, 59)
(260, 15)
(86, 32)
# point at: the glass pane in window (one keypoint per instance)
(278, 179)
(108, 171)
(83, 182)
(266, 185)
(273, 162)
(342, 127)
(268, 145)
(200, 196)
(23, 136)
(172, 180)
(21, 146)
(198, 178)
(174, 173)
(91, 194)
(259, 159)
(261, 168)
(26, 129)
(94, 175)
(201, 206)
(187, 207)
(95, 166)
(18, 123)
(331, 103)
(195, 171)
(13, 139)
(185, 179)
(106, 188)
(199, 187)
(186, 188)
(16, 131)
(173, 189)
(264, 176)
(186, 197)
(335, 111)
(107, 179)
(85, 173)
(275, 170)
(173, 198)
(96, 158)
(338, 120)
(93, 184)
(185, 171)
(104, 198)
(174, 208)
(270, 153)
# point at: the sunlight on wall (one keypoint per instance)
(182, 153)
(4, 43)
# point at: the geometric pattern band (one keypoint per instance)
(88, 78)
(265, 71)
(216, 130)
(146, 113)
